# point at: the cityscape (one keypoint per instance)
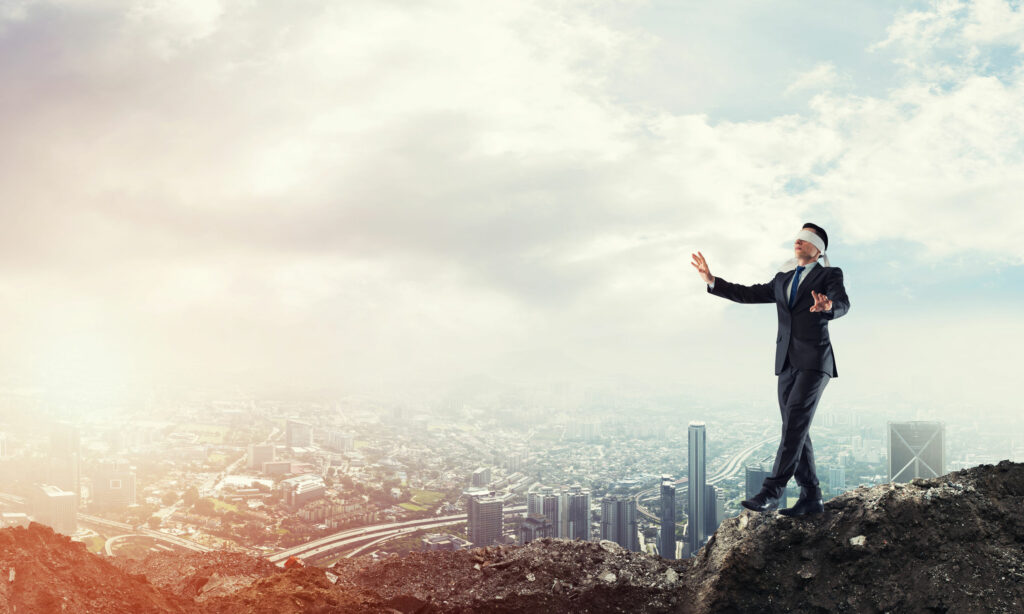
(317, 482)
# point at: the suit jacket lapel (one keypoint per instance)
(780, 288)
(805, 284)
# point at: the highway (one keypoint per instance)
(324, 545)
(108, 547)
(112, 524)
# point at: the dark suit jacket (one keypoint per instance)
(803, 334)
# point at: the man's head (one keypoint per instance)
(805, 250)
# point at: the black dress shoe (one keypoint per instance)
(804, 507)
(761, 502)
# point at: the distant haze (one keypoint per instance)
(396, 196)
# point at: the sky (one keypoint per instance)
(395, 197)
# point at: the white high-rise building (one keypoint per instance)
(341, 441)
(55, 507)
(260, 453)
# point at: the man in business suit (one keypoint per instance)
(808, 293)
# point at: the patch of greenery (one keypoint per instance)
(223, 506)
(95, 543)
(427, 497)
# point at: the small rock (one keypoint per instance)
(477, 567)
(609, 546)
(608, 577)
(671, 576)
(858, 541)
(530, 577)
(806, 572)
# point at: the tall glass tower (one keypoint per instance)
(696, 507)
(916, 450)
(667, 545)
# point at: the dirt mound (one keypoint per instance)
(199, 576)
(948, 544)
(548, 575)
(43, 571)
(294, 591)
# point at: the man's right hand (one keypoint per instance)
(701, 265)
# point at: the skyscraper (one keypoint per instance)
(341, 441)
(667, 544)
(65, 459)
(298, 434)
(837, 479)
(535, 503)
(712, 515)
(481, 477)
(755, 475)
(484, 519)
(550, 504)
(113, 485)
(916, 450)
(260, 453)
(574, 514)
(618, 521)
(55, 507)
(696, 524)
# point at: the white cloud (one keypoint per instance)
(823, 76)
(335, 191)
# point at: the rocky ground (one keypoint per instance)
(950, 544)
(549, 575)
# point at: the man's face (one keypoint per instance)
(803, 248)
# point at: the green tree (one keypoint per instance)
(204, 507)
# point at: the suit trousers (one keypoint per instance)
(799, 393)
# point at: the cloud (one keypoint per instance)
(822, 77)
(337, 193)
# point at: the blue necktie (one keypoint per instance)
(796, 282)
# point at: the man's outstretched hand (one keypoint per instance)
(701, 265)
(821, 302)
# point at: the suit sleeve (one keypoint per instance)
(758, 293)
(836, 292)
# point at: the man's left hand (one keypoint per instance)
(821, 302)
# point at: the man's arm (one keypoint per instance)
(758, 293)
(836, 292)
